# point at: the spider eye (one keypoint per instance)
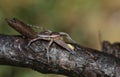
(71, 46)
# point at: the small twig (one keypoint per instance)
(22, 28)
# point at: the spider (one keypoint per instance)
(54, 37)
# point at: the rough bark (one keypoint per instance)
(86, 63)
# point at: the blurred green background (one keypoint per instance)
(82, 19)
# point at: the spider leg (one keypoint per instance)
(67, 36)
(65, 46)
(47, 48)
(43, 29)
(33, 40)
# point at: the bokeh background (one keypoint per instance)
(88, 22)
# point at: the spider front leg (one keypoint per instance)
(67, 36)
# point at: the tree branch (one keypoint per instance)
(86, 62)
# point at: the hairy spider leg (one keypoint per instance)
(67, 36)
(37, 27)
